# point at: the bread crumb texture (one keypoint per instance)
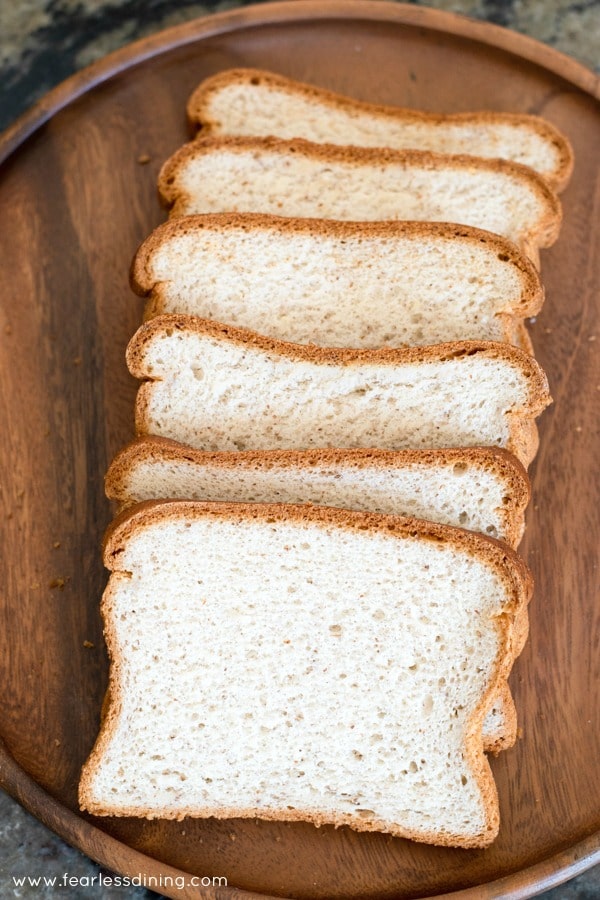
(220, 388)
(341, 284)
(357, 653)
(480, 489)
(255, 103)
(302, 179)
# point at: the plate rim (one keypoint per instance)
(74, 828)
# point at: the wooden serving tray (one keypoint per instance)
(77, 198)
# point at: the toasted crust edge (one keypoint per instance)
(199, 116)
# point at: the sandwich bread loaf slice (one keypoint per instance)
(481, 489)
(478, 488)
(358, 650)
(300, 179)
(340, 284)
(254, 103)
(216, 387)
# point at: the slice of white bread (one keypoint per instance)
(338, 284)
(481, 489)
(304, 180)
(478, 488)
(303, 663)
(253, 103)
(216, 387)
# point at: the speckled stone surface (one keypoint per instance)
(42, 42)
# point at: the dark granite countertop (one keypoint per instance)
(42, 42)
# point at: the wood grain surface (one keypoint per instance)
(78, 193)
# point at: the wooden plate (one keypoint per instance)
(77, 199)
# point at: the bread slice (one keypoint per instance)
(351, 655)
(481, 489)
(216, 387)
(338, 284)
(253, 103)
(478, 488)
(304, 180)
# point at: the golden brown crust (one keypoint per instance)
(338, 356)
(519, 336)
(544, 234)
(505, 739)
(521, 632)
(111, 705)
(495, 458)
(143, 282)
(508, 566)
(198, 113)
(313, 817)
(524, 438)
(499, 555)
(522, 441)
(152, 448)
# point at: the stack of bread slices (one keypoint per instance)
(315, 600)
